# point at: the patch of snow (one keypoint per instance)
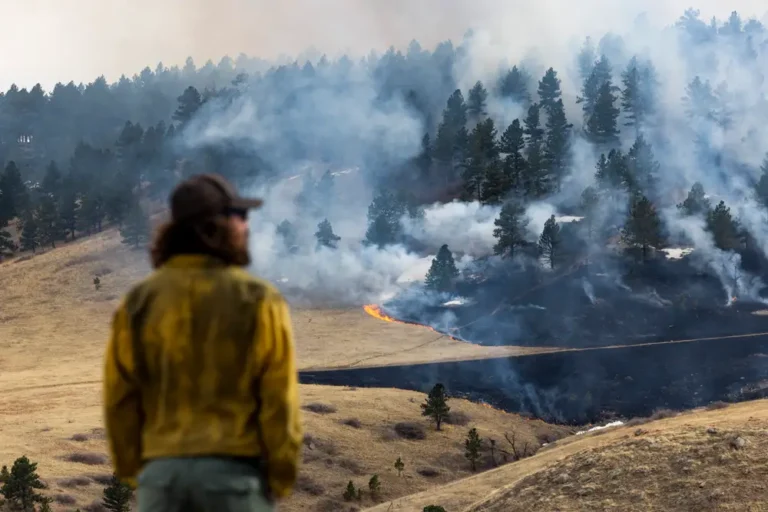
(675, 253)
(568, 218)
(601, 427)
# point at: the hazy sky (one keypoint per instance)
(49, 40)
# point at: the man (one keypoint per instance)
(200, 381)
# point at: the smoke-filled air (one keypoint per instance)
(503, 186)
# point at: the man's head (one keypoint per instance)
(207, 217)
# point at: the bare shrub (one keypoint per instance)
(351, 465)
(428, 472)
(331, 505)
(660, 414)
(545, 435)
(410, 430)
(102, 479)
(64, 499)
(457, 418)
(96, 506)
(69, 483)
(352, 422)
(319, 408)
(98, 433)
(24, 258)
(306, 485)
(520, 447)
(90, 458)
(326, 446)
(636, 422)
(717, 405)
(79, 438)
(102, 271)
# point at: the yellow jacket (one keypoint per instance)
(201, 361)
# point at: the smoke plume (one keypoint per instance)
(334, 117)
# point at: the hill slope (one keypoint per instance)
(53, 328)
(701, 460)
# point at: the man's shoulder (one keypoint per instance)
(251, 281)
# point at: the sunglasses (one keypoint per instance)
(236, 212)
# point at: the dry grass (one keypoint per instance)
(708, 459)
(53, 326)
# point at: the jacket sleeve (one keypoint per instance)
(278, 390)
(122, 401)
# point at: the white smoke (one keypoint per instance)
(346, 124)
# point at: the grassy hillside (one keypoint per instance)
(53, 327)
(700, 460)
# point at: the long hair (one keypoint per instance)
(211, 237)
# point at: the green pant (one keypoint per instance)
(201, 484)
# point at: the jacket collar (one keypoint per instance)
(194, 261)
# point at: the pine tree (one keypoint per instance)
(696, 203)
(30, 236)
(48, 223)
(424, 160)
(637, 96)
(14, 197)
(514, 86)
(643, 226)
(512, 145)
(442, 272)
(4, 475)
(534, 180)
(510, 229)
(136, 228)
(642, 168)
(602, 124)
(69, 209)
(549, 90)
(449, 140)
(52, 181)
(325, 235)
(92, 211)
(586, 58)
(496, 184)
(483, 154)
(384, 214)
(436, 405)
(117, 496)
(21, 484)
(472, 445)
(374, 485)
(399, 466)
(549, 242)
(433, 508)
(190, 102)
(477, 101)
(45, 505)
(288, 233)
(350, 492)
(761, 188)
(599, 75)
(557, 145)
(589, 203)
(724, 229)
(7, 245)
(612, 173)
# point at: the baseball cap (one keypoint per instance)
(207, 195)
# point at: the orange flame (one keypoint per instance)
(376, 312)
